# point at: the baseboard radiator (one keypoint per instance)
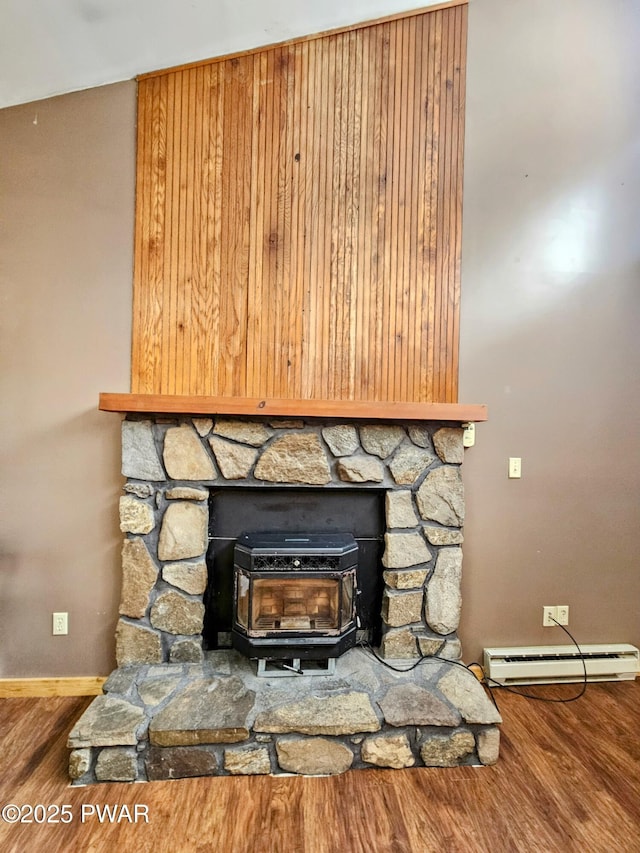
(557, 664)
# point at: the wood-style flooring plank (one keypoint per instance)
(568, 779)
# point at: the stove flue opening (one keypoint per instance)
(294, 595)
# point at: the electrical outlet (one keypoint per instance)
(469, 435)
(60, 624)
(562, 614)
(549, 616)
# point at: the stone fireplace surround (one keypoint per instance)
(172, 709)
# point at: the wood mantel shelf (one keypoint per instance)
(175, 404)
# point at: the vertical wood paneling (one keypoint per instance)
(202, 305)
(234, 239)
(214, 222)
(298, 223)
(458, 123)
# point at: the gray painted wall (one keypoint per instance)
(549, 327)
(66, 243)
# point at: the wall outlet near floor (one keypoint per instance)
(555, 614)
(60, 624)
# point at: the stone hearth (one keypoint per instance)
(217, 718)
(438, 714)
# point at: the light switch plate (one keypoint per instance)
(515, 467)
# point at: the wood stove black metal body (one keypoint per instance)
(294, 595)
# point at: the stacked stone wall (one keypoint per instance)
(171, 464)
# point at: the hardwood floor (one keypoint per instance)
(568, 779)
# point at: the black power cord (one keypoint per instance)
(369, 648)
(489, 683)
(492, 683)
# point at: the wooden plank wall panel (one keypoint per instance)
(298, 223)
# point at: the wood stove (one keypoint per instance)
(294, 595)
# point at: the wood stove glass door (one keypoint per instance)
(295, 604)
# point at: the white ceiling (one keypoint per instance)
(48, 47)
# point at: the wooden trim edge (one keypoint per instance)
(360, 25)
(345, 409)
(17, 688)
